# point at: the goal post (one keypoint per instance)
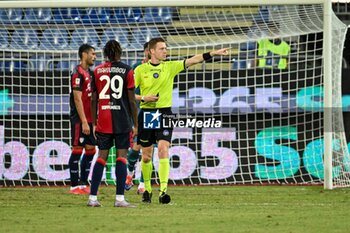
(328, 137)
(277, 94)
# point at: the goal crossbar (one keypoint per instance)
(147, 3)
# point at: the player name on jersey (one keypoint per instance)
(111, 70)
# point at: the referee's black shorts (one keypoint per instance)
(149, 136)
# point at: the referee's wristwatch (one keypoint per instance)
(143, 99)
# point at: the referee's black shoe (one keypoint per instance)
(164, 198)
(146, 197)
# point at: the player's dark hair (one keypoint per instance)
(84, 48)
(145, 46)
(152, 43)
(112, 50)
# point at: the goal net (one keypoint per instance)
(255, 116)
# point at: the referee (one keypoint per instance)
(156, 78)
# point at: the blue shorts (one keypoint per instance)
(106, 141)
(80, 139)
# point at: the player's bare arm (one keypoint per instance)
(80, 109)
(133, 108)
(94, 110)
(205, 56)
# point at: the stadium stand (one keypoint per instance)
(183, 18)
(239, 65)
(126, 15)
(39, 63)
(66, 64)
(24, 39)
(11, 16)
(37, 15)
(140, 36)
(15, 64)
(119, 34)
(197, 18)
(157, 14)
(96, 15)
(66, 16)
(53, 39)
(262, 15)
(84, 35)
(4, 39)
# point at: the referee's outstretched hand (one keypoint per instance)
(220, 52)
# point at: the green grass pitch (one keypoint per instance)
(193, 209)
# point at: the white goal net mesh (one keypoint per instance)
(268, 93)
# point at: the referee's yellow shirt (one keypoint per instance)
(157, 80)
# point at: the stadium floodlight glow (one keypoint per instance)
(277, 94)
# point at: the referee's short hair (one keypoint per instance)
(112, 50)
(152, 43)
(84, 48)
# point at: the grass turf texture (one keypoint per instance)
(193, 209)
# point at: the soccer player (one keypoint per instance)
(156, 77)
(81, 121)
(113, 88)
(134, 152)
